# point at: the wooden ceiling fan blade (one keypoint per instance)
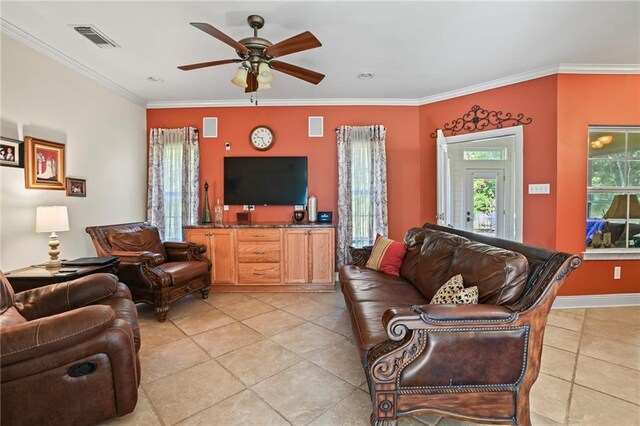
(298, 43)
(208, 64)
(252, 83)
(214, 32)
(296, 71)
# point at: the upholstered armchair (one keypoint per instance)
(157, 273)
(68, 352)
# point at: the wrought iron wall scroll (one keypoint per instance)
(479, 118)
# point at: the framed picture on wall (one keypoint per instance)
(44, 164)
(76, 187)
(11, 152)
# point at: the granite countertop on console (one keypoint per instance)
(229, 225)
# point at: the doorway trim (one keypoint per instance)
(443, 180)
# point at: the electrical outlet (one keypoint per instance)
(617, 271)
(539, 188)
(226, 207)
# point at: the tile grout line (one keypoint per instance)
(575, 369)
(153, 407)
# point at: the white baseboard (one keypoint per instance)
(597, 300)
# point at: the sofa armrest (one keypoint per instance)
(358, 256)
(57, 298)
(147, 257)
(398, 321)
(46, 335)
(180, 251)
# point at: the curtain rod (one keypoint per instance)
(365, 126)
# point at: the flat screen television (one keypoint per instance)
(275, 181)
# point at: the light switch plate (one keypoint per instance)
(226, 207)
(539, 188)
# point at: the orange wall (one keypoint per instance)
(535, 99)
(555, 152)
(585, 100)
(289, 125)
(561, 106)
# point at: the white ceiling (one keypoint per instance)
(415, 49)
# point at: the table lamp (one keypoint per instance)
(52, 219)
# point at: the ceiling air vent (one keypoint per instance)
(95, 36)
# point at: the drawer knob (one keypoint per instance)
(258, 252)
(258, 236)
(258, 273)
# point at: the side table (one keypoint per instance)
(38, 276)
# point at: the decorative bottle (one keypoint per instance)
(206, 213)
(312, 207)
(217, 213)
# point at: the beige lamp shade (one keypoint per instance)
(240, 77)
(52, 219)
(618, 207)
(265, 75)
(264, 86)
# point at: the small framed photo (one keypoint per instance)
(44, 164)
(76, 187)
(11, 152)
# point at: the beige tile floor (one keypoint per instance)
(287, 359)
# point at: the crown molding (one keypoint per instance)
(284, 102)
(493, 84)
(599, 69)
(11, 30)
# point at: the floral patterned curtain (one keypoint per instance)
(362, 186)
(173, 180)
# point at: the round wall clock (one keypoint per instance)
(262, 138)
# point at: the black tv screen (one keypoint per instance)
(276, 181)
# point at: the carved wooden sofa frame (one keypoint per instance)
(414, 330)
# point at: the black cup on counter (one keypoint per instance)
(298, 215)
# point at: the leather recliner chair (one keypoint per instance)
(68, 352)
(157, 273)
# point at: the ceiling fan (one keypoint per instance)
(258, 56)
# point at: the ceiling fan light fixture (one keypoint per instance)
(263, 86)
(264, 73)
(240, 77)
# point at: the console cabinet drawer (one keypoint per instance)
(259, 273)
(258, 252)
(258, 235)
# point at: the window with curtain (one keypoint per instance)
(173, 187)
(361, 190)
(362, 187)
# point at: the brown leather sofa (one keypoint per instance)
(68, 352)
(470, 362)
(157, 273)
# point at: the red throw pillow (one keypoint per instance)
(387, 256)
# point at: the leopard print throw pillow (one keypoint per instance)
(453, 292)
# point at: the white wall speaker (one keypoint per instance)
(316, 127)
(210, 127)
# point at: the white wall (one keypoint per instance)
(105, 144)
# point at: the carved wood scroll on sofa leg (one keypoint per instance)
(386, 361)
